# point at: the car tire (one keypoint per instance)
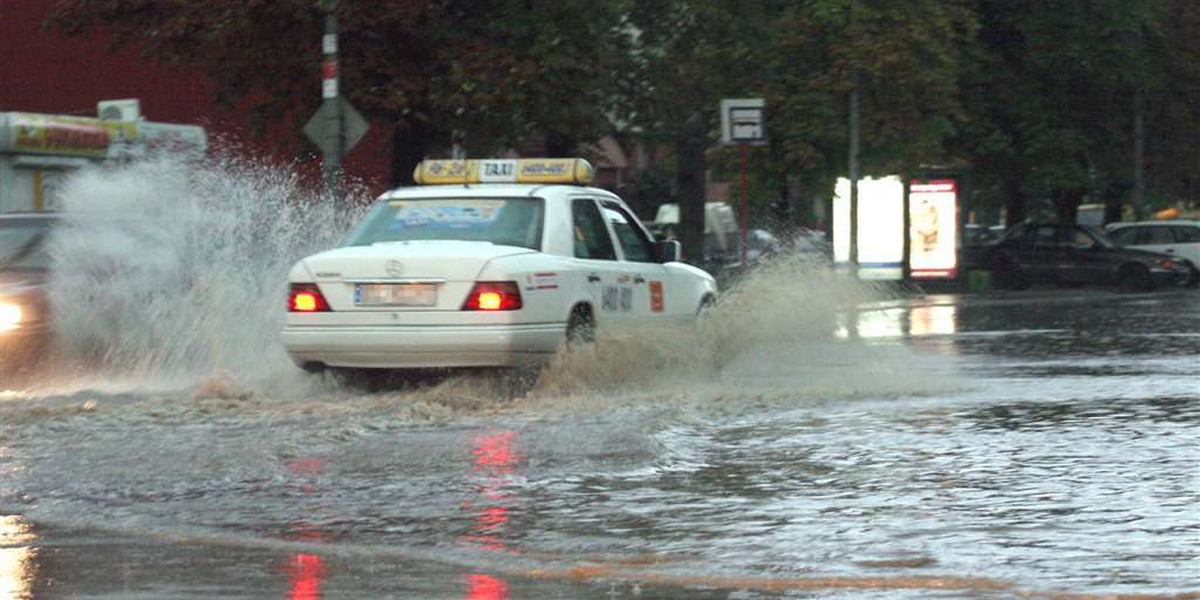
(581, 328)
(1135, 278)
(1193, 277)
(706, 304)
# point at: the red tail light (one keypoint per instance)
(494, 295)
(306, 297)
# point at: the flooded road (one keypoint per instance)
(1003, 446)
(810, 438)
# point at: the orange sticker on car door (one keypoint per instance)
(656, 296)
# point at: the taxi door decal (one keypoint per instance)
(656, 296)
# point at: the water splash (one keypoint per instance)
(176, 270)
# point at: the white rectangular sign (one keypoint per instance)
(743, 121)
(880, 227)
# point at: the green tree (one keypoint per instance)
(689, 54)
(1055, 96)
(490, 74)
(908, 57)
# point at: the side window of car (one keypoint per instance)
(1046, 237)
(1081, 240)
(1125, 236)
(591, 236)
(1155, 235)
(634, 243)
(1186, 234)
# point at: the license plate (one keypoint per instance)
(395, 294)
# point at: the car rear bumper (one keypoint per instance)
(421, 347)
(1176, 276)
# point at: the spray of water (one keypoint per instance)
(785, 329)
(171, 272)
(176, 270)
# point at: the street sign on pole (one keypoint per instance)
(353, 126)
(744, 123)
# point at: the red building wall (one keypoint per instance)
(44, 71)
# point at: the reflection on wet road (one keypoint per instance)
(1037, 445)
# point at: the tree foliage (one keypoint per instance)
(1035, 98)
(487, 73)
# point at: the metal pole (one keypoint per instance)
(745, 205)
(1139, 156)
(855, 83)
(334, 150)
(854, 174)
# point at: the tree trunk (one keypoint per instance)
(1066, 204)
(559, 145)
(410, 141)
(1015, 209)
(690, 145)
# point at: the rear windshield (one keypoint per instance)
(502, 221)
(21, 244)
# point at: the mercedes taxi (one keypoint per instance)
(485, 263)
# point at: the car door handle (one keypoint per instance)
(639, 279)
(594, 278)
(1170, 251)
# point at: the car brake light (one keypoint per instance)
(494, 295)
(306, 297)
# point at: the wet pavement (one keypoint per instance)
(1039, 444)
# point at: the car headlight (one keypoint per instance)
(10, 316)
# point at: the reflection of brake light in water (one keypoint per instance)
(306, 571)
(482, 587)
(494, 459)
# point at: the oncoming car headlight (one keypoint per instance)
(10, 316)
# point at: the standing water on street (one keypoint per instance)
(809, 436)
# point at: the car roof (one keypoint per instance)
(493, 190)
(1153, 223)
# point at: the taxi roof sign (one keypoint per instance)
(519, 170)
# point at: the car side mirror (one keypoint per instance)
(668, 251)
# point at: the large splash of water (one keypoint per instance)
(175, 270)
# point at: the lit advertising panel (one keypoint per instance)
(880, 227)
(933, 230)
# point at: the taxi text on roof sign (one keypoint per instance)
(522, 170)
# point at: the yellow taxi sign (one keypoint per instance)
(519, 170)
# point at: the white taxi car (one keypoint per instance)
(487, 263)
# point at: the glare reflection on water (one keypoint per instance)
(18, 558)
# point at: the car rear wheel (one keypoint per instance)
(1193, 278)
(1135, 278)
(581, 328)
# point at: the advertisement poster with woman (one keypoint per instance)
(933, 233)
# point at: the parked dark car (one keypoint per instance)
(24, 274)
(1077, 255)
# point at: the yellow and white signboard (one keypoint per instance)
(523, 170)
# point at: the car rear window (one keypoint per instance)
(502, 221)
